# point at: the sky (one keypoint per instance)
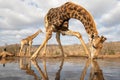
(21, 18)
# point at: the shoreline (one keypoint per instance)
(117, 56)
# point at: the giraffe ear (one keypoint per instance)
(103, 39)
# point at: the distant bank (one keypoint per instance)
(110, 50)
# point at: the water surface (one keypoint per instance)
(59, 69)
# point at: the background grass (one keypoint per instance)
(110, 48)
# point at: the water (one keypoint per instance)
(59, 69)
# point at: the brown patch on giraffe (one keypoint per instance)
(83, 11)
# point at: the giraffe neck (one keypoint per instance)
(35, 34)
(80, 13)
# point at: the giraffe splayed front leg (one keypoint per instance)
(78, 35)
(48, 36)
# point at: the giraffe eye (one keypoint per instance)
(92, 36)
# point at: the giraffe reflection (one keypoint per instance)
(6, 60)
(60, 68)
(25, 64)
(95, 71)
(44, 74)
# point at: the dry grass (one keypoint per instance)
(14, 49)
(111, 48)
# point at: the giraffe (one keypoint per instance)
(57, 19)
(28, 41)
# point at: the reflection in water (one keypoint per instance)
(95, 71)
(25, 64)
(58, 73)
(44, 74)
(3, 65)
(5, 60)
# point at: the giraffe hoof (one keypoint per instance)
(95, 57)
(33, 58)
(44, 55)
(65, 55)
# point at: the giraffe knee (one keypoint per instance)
(49, 35)
(78, 34)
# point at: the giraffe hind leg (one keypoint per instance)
(27, 53)
(29, 48)
(21, 48)
(59, 42)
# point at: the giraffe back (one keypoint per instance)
(80, 13)
(57, 16)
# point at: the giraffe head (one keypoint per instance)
(96, 45)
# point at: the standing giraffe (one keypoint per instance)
(57, 19)
(28, 41)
